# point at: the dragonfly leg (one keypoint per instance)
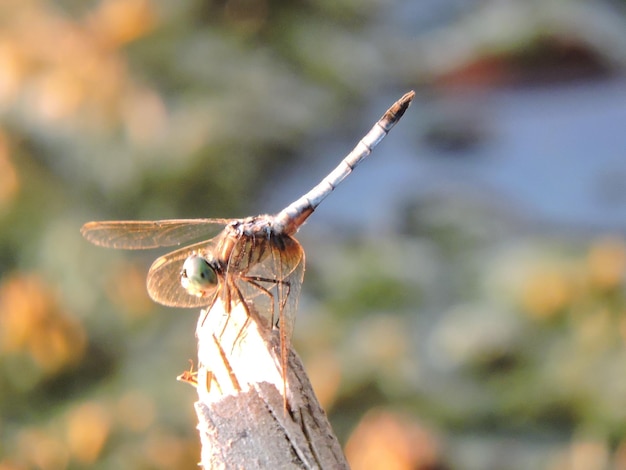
(206, 311)
(246, 323)
(226, 362)
(226, 299)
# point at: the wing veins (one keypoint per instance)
(138, 234)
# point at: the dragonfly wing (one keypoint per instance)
(272, 281)
(279, 270)
(164, 277)
(288, 259)
(137, 234)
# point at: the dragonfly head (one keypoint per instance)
(199, 276)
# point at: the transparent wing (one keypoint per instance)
(137, 234)
(271, 283)
(288, 260)
(164, 275)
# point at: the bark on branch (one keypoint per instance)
(244, 422)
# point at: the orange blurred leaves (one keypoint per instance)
(33, 322)
(547, 291)
(554, 288)
(606, 263)
(59, 67)
(9, 177)
(88, 427)
(388, 440)
(120, 21)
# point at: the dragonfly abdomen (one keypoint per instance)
(293, 216)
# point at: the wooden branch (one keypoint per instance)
(244, 422)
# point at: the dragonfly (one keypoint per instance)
(255, 261)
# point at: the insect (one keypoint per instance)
(189, 376)
(255, 261)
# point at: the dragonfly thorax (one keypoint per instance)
(257, 226)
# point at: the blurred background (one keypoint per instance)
(463, 306)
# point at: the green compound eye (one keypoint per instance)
(198, 277)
